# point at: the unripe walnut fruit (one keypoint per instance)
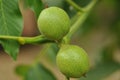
(54, 23)
(72, 61)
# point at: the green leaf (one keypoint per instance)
(101, 71)
(10, 24)
(22, 70)
(36, 5)
(39, 72)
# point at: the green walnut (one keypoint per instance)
(54, 23)
(72, 61)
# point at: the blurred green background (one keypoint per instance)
(99, 36)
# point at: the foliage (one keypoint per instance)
(34, 72)
(10, 24)
(82, 23)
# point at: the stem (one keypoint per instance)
(77, 24)
(38, 39)
(91, 5)
(77, 7)
(27, 40)
(79, 21)
(9, 37)
(75, 17)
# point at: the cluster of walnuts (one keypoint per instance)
(54, 23)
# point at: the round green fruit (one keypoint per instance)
(72, 61)
(54, 23)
